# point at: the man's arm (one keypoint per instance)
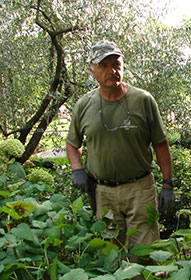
(164, 159)
(163, 155)
(79, 176)
(74, 156)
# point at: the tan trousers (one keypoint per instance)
(128, 204)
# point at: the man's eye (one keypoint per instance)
(117, 65)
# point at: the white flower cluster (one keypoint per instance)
(41, 175)
(12, 147)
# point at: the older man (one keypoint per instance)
(120, 123)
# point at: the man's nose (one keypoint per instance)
(112, 70)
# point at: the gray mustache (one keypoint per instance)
(112, 76)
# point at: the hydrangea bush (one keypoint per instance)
(12, 147)
(40, 175)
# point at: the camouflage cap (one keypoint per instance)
(103, 49)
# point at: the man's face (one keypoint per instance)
(109, 72)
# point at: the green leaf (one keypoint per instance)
(160, 256)
(77, 274)
(9, 270)
(161, 244)
(11, 212)
(43, 208)
(2, 231)
(59, 202)
(110, 260)
(109, 247)
(161, 268)
(152, 214)
(142, 250)
(22, 208)
(85, 214)
(53, 269)
(128, 271)
(97, 243)
(184, 273)
(1, 267)
(184, 263)
(76, 240)
(23, 231)
(131, 231)
(105, 277)
(77, 204)
(3, 242)
(17, 168)
(4, 193)
(39, 224)
(181, 232)
(3, 179)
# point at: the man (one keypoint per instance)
(120, 122)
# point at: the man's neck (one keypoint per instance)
(114, 93)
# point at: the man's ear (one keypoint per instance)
(91, 69)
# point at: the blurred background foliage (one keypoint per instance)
(155, 59)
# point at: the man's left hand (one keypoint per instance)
(166, 197)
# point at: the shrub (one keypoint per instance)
(12, 147)
(41, 175)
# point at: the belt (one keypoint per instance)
(117, 183)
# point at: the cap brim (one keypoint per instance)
(101, 57)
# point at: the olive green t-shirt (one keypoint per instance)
(125, 152)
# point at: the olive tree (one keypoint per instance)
(44, 52)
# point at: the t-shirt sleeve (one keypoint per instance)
(158, 133)
(75, 135)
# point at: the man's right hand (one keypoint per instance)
(80, 179)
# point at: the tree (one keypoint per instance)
(45, 45)
(62, 34)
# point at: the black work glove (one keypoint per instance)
(166, 197)
(80, 179)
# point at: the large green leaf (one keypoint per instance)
(109, 247)
(59, 201)
(142, 250)
(74, 241)
(181, 232)
(17, 168)
(160, 256)
(182, 274)
(39, 224)
(185, 263)
(23, 231)
(97, 243)
(77, 204)
(110, 260)
(22, 208)
(152, 214)
(161, 268)
(128, 271)
(85, 214)
(5, 193)
(161, 244)
(11, 212)
(105, 277)
(77, 274)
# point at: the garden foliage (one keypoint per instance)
(49, 232)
